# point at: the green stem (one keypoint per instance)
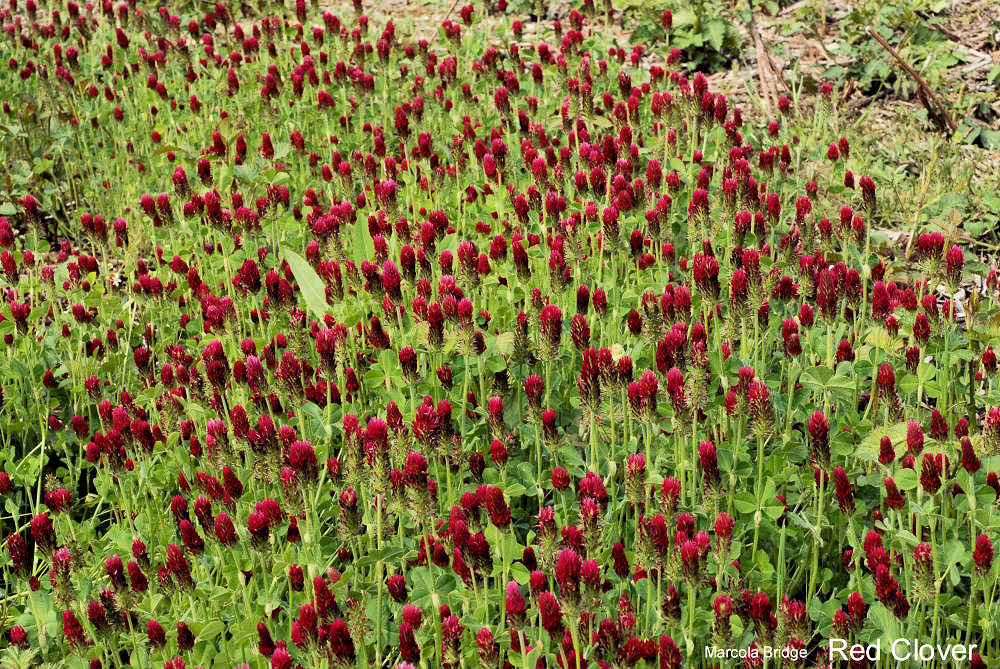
(816, 540)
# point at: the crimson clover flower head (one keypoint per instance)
(137, 580)
(867, 186)
(408, 363)
(982, 555)
(415, 471)
(635, 469)
(568, 566)
(827, 295)
(930, 473)
(489, 649)
(723, 606)
(496, 506)
(280, 657)
(498, 452)
(551, 614)
(185, 638)
(670, 493)
(922, 557)
(887, 452)
(551, 327)
(723, 533)
(296, 578)
(534, 387)
(190, 538)
(19, 637)
(451, 639)
(58, 500)
(495, 407)
(970, 461)
(893, 498)
(73, 630)
(709, 463)
(954, 260)
(844, 491)
(560, 478)
(114, 569)
(412, 614)
(886, 378)
(991, 429)
(989, 361)
(914, 438)
(155, 634)
(549, 430)
(819, 430)
(670, 654)
(43, 532)
(600, 302)
(516, 606)
(939, 426)
(259, 528)
(409, 649)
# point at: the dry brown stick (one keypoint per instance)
(446, 17)
(916, 77)
(765, 68)
(775, 71)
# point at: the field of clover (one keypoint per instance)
(511, 347)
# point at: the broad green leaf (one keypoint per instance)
(816, 378)
(869, 446)
(716, 32)
(954, 552)
(906, 479)
(926, 372)
(363, 247)
(514, 490)
(879, 337)
(504, 343)
(312, 287)
(744, 502)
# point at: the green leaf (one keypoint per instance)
(716, 33)
(823, 379)
(212, 629)
(245, 173)
(879, 337)
(514, 490)
(953, 553)
(977, 268)
(816, 378)
(519, 572)
(775, 510)
(745, 502)
(363, 247)
(225, 177)
(312, 287)
(990, 138)
(906, 479)
(869, 446)
(878, 616)
(504, 343)
(763, 563)
(926, 372)
(528, 661)
(908, 383)
(281, 149)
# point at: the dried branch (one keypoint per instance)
(942, 110)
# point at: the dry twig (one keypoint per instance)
(770, 79)
(941, 110)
